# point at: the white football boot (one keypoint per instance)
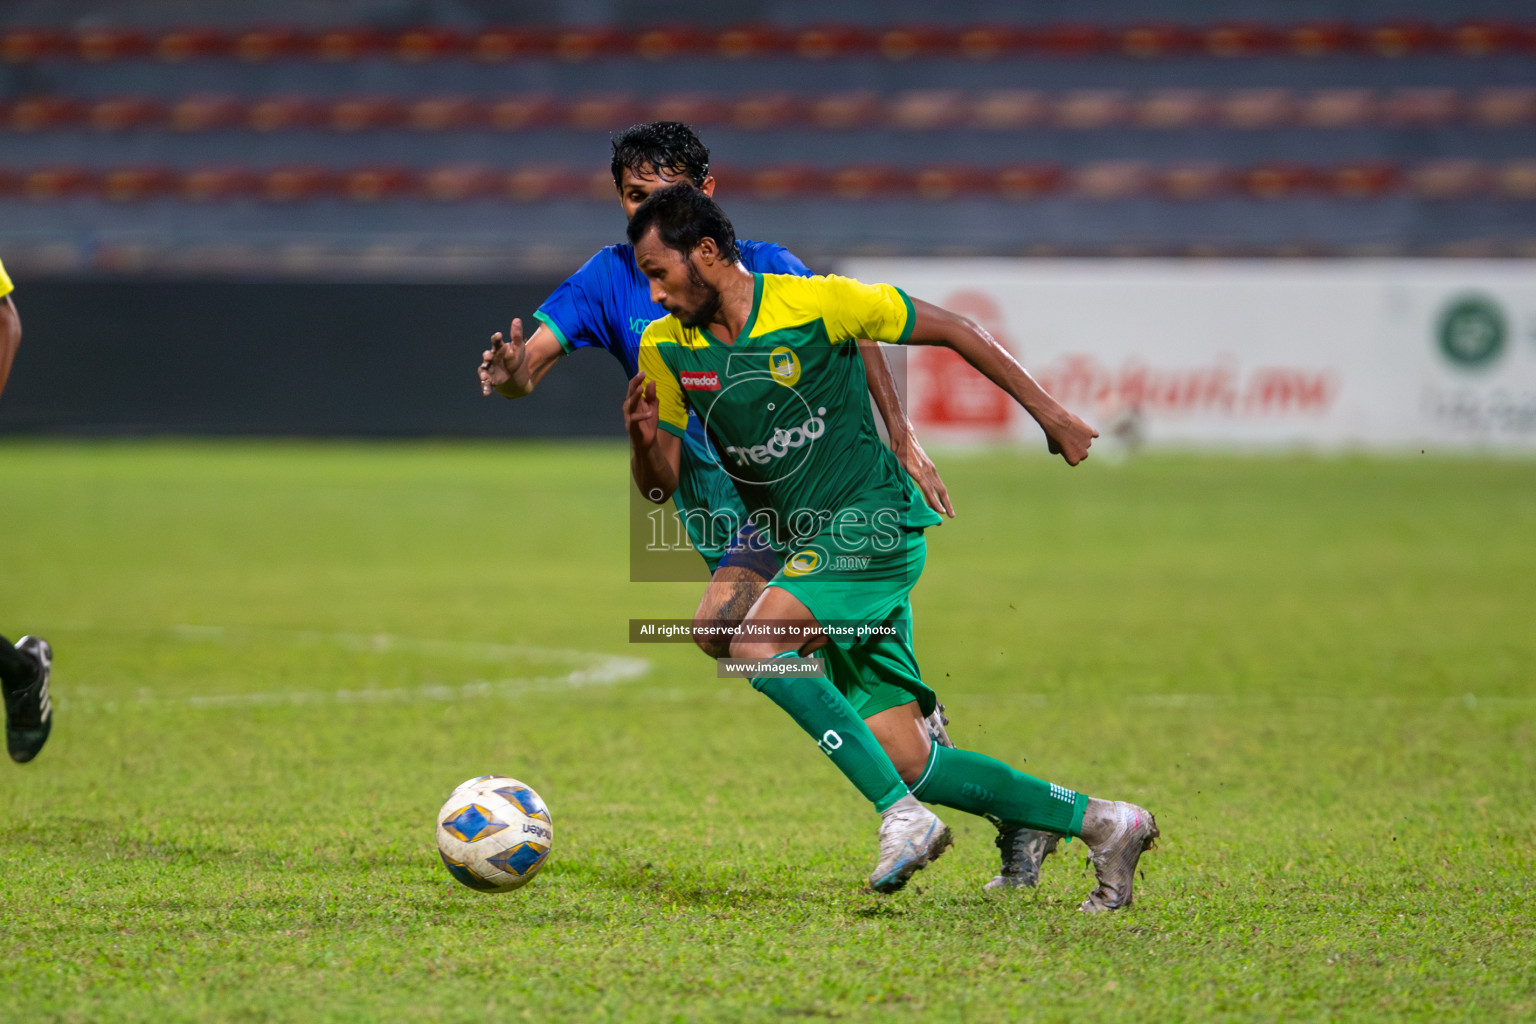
(1132, 832)
(911, 838)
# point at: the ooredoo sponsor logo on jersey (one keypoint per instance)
(782, 442)
(700, 380)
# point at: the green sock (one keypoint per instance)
(978, 784)
(818, 708)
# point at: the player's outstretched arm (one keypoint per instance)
(10, 338)
(655, 456)
(513, 367)
(1067, 435)
(882, 388)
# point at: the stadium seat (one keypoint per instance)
(742, 42)
(259, 45)
(523, 112)
(695, 108)
(907, 42)
(498, 45)
(444, 114)
(1029, 181)
(1276, 180)
(1242, 40)
(671, 42)
(1072, 40)
(43, 113)
(1007, 110)
(364, 113)
(125, 113)
(1112, 179)
(1255, 109)
(867, 181)
(99, 45)
(429, 43)
(1422, 107)
(786, 181)
(1404, 38)
(44, 184)
(601, 112)
(1338, 108)
(179, 45)
(1173, 109)
(25, 45)
(1322, 39)
(296, 184)
(1091, 109)
(1517, 179)
(374, 184)
(284, 113)
(993, 42)
(928, 110)
(206, 113)
(832, 42)
(537, 183)
(943, 183)
(217, 184)
(1361, 180)
(1163, 40)
(1192, 182)
(348, 44)
(847, 111)
(1505, 107)
(600, 41)
(766, 110)
(1449, 179)
(458, 183)
(136, 184)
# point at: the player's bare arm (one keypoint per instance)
(882, 388)
(512, 366)
(10, 338)
(656, 457)
(1068, 435)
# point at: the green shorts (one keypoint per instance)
(862, 598)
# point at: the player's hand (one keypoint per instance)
(642, 412)
(1070, 438)
(925, 474)
(504, 360)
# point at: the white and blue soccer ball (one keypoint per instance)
(494, 834)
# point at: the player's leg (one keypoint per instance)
(736, 583)
(24, 673)
(911, 836)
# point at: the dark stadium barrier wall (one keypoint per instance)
(286, 358)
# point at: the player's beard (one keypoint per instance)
(704, 313)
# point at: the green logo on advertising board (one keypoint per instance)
(1472, 331)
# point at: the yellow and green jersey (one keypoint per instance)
(787, 405)
(5, 282)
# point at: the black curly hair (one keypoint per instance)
(668, 146)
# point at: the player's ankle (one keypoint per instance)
(1099, 821)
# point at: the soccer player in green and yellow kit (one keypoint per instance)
(768, 363)
(24, 668)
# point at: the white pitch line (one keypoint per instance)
(599, 670)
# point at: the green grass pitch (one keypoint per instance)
(275, 660)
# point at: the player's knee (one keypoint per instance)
(712, 636)
(910, 765)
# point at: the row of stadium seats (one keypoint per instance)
(918, 110)
(1435, 180)
(818, 42)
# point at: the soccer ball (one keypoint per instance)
(494, 834)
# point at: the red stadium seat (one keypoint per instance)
(284, 113)
(583, 44)
(1481, 38)
(1449, 179)
(845, 111)
(1254, 109)
(126, 113)
(598, 186)
(1173, 108)
(457, 183)
(375, 184)
(25, 45)
(1092, 109)
(1242, 40)
(1404, 38)
(696, 108)
(187, 44)
(766, 110)
(928, 110)
(671, 42)
(347, 44)
(365, 113)
(1422, 107)
(524, 112)
(428, 43)
(537, 183)
(444, 114)
(866, 181)
(1007, 110)
(296, 184)
(741, 42)
(1364, 180)
(906, 42)
(51, 184)
(1072, 40)
(218, 184)
(205, 113)
(1112, 179)
(832, 42)
(1517, 179)
(786, 181)
(263, 44)
(99, 45)
(1506, 107)
(1029, 181)
(1276, 180)
(43, 113)
(1321, 39)
(604, 112)
(498, 45)
(1163, 40)
(1193, 182)
(993, 42)
(136, 184)
(939, 184)
(1338, 108)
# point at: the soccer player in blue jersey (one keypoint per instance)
(607, 304)
(25, 667)
(766, 360)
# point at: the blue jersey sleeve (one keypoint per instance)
(576, 311)
(768, 258)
